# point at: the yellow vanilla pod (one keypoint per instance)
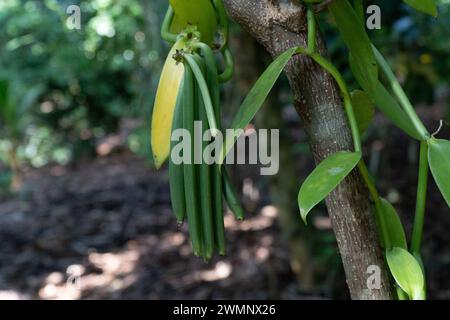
(198, 13)
(166, 98)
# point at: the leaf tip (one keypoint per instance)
(157, 161)
(304, 215)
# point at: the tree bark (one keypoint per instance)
(279, 25)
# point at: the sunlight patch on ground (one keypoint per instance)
(12, 295)
(114, 271)
(221, 270)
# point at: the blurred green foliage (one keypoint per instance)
(88, 79)
(416, 44)
(419, 48)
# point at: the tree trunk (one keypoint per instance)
(283, 190)
(279, 25)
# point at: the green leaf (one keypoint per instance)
(419, 260)
(358, 42)
(407, 272)
(427, 6)
(399, 93)
(364, 109)
(394, 226)
(198, 13)
(257, 95)
(325, 178)
(384, 101)
(391, 109)
(439, 159)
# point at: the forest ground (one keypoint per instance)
(103, 229)
(110, 222)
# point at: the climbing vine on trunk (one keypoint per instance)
(198, 31)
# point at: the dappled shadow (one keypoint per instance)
(105, 230)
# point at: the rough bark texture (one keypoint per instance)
(279, 25)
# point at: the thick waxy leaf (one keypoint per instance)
(165, 101)
(391, 109)
(399, 93)
(364, 109)
(394, 226)
(198, 13)
(384, 101)
(257, 95)
(439, 159)
(324, 179)
(407, 272)
(427, 6)
(357, 40)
